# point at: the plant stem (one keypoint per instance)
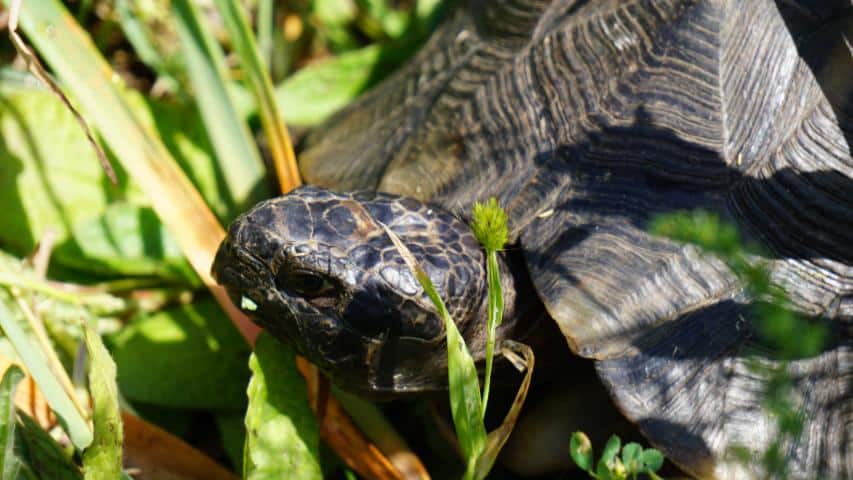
(496, 307)
(22, 282)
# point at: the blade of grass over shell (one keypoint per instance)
(100, 93)
(33, 359)
(236, 152)
(260, 85)
(465, 403)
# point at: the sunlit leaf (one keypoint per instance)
(188, 356)
(125, 240)
(40, 188)
(282, 438)
(102, 459)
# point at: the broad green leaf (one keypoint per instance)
(189, 356)
(652, 460)
(103, 458)
(315, 92)
(42, 457)
(631, 453)
(45, 190)
(126, 240)
(34, 360)
(51, 177)
(580, 448)
(9, 462)
(103, 100)
(282, 435)
(611, 449)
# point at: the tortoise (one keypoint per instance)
(586, 120)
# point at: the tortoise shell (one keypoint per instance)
(589, 119)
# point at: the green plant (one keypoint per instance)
(467, 406)
(634, 460)
(182, 148)
(489, 223)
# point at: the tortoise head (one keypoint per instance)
(316, 268)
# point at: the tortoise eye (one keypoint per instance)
(307, 284)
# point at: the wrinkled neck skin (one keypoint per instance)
(317, 268)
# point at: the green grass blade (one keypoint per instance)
(28, 350)
(10, 464)
(237, 155)
(103, 458)
(266, 19)
(261, 87)
(465, 404)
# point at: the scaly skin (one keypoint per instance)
(321, 272)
